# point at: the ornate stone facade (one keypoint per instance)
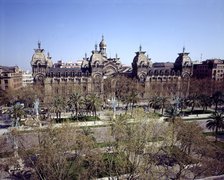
(40, 64)
(92, 72)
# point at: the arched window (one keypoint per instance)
(156, 72)
(161, 72)
(167, 72)
(96, 64)
(59, 74)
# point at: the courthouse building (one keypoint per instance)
(91, 72)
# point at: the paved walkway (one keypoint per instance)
(75, 124)
(194, 116)
(105, 118)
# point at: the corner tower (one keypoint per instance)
(183, 64)
(140, 65)
(40, 64)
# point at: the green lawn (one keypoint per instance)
(80, 119)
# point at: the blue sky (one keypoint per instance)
(69, 29)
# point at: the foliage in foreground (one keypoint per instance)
(140, 149)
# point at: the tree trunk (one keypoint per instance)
(76, 113)
(132, 109)
(216, 133)
(192, 109)
(216, 106)
(126, 109)
(162, 108)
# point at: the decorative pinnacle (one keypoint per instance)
(140, 48)
(39, 44)
(85, 56)
(96, 47)
(184, 49)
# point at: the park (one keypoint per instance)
(86, 137)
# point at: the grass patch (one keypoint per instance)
(80, 119)
(156, 139)
(103, 125)
(104, 144)
(155, 114)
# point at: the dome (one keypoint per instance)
(38, 56)
(97, 58)
(183, 60)
(141, 59)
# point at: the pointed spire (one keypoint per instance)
(140, 48)
(48, 54)
(184, 49)
(39, 44)
(85, 56)
(102, 37)
(96, 47)
(116, 56)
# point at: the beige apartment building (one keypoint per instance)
(10, 78)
